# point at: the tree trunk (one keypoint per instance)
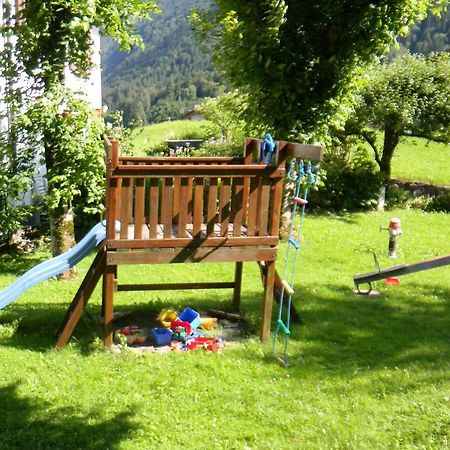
(62, 234)
(62, 229)
(391, 140)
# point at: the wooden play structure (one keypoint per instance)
(189, 210)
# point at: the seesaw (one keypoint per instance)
(396, 271)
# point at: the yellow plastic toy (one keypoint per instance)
(166, 317)
(208, 323)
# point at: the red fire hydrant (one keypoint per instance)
(395, 230)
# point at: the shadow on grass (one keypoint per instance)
(33, 326)
(18, 263)
(27, 424)
(343, 333)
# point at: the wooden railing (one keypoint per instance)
(184, 199)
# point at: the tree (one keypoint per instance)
(407, 97)
(51, 35)
(76, 173)
(223, 113)
(296, 60)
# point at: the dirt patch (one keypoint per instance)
(419, 188)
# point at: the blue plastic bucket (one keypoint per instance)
(191, 316)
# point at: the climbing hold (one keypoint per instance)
(268, 148)
(289, 289)
(300, 201)
(294, 243)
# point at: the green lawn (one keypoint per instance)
(418, 159)
(153, 135)
(365, 372)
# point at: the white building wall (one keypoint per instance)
(3, 110)
(92, 87)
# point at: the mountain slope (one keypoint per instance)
(169, 74)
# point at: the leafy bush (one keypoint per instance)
(218, 147)
(396, 197)
(351, 181)
(440, 203)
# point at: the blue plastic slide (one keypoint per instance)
(54, 266)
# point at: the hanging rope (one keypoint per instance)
(303, 178)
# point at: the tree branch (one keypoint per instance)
(371, 140)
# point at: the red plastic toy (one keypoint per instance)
(182, 324)
(208, 343)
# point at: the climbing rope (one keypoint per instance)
(303, 177)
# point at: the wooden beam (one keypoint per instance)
(182, 160)
(200, 170)
(269, 280)
(237, 285)
(193, 243)
(174, 286)
(81, 298)
(192, 255)
(303, 151)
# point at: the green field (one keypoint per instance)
(153, 135)
(364, 372)
(418, 159)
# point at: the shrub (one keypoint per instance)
(440, 203)
(396, 197)
(217, 147)
(351, 181)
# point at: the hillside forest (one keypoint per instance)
(174, 73)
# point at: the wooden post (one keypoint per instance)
(268, 298)
(108, 304)
(237, 285)
(112, 189)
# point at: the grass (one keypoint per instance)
(365, 372)
(418, 159)
(153, 135)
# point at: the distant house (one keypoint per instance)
(192, 114)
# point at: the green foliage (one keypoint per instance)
(297, 61)
(225, 114)
(15, 180)
(76, 172)
(396, 197)
(220, 147)
(169, 75)
(350, 182)
(154, 136)
(409, 96)
(50, 35)
(54, 33)
(126, 135)
(440, 203)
